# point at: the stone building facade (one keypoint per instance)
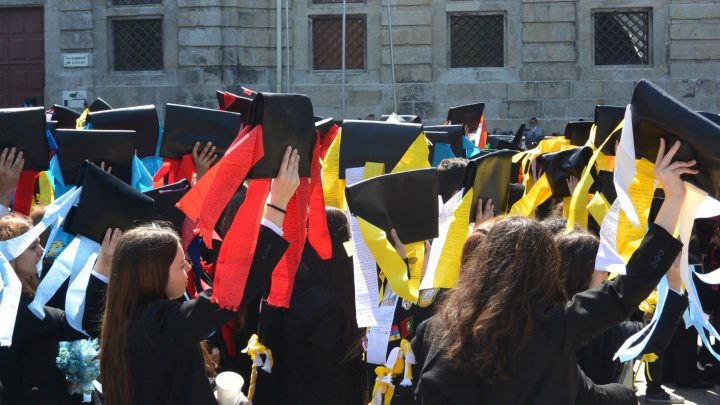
(522, 58)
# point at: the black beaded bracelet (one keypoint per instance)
(276, 208)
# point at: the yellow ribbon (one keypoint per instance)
(409, 358)
(383, 386)
(332, 185)
(46, 193)
(82, 119)
(578, 210)
(256, 350)
(416, 157)
(539, 192)
(598, 207)
(448, 266)
(641, 192)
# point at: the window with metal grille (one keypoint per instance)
(134, 2)
(477, 41)
(137, 44)
(622, 38)
(327, 42)
(336, 1)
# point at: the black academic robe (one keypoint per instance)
(309, 360)
(165, 356)
(546, 370)
(28, 370)
(596, 358)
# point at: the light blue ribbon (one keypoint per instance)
(12, 248)
(141, 179)
(693, 316)
(441, 152)
(631, 349)
(470, 148)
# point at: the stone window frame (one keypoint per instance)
(443, 73)
(106, 13)
(659, 37)
(301, 31)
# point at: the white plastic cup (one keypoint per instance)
(229, 388)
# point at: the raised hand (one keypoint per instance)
(203, 159)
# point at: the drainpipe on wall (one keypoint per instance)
(278, 47)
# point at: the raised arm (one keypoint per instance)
(592, 312)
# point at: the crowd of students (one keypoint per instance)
(529, 319)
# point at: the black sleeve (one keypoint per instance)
(94, 306)
(193, 320)
(54, 326)
(675, 305)
(592, 312)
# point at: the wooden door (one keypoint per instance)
(22, 56)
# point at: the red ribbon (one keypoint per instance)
(206, 201)
(25, 192)
(175, 170)
(238, 248)
(328, 139)
(228, 99)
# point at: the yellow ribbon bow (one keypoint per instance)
(257, 351)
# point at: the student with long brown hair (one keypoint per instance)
(507, 334)
(27, 368)
(150, 351)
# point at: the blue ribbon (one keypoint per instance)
(441, 152)
(694, 315)
(631, 349)
(470, 148)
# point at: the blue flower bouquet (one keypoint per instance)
(78, 360)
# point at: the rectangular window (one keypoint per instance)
(137, 44)
(336, 1)
(622, 38)
(327, 42)
(134, 2)
(477, 41)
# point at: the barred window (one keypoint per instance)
(477, 41)
(327, 42)
(622, 38)
(336, 1)
(134, 2)
(137, 44)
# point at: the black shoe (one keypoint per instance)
(696, 385)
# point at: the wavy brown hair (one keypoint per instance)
(12, 226)
(489, 315)
(139, 276)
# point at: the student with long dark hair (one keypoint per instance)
(27, 368)
(150, 343)
(578, 251)
(319, 361)
(507, 333)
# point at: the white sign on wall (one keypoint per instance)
(74, 99)
(76, 60)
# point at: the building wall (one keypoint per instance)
(548, 73)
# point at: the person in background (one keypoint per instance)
(533, 134)
(450, 176)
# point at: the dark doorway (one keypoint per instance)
(22, 56)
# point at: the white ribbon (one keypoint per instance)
(12, 248)
(75, 297)
(625, 168)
